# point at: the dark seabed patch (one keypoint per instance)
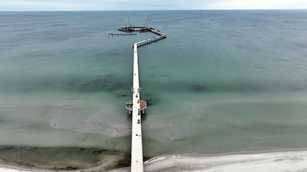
(199, 87)
(108, 83)
(100, 83)
(63, 158)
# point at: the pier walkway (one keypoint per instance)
(136, 142)
(136, 134)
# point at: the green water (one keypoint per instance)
(223, 81)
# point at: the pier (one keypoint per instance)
(138, 106)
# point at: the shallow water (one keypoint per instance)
(223, 81)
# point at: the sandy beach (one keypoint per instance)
(294, 161)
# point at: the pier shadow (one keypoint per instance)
(144, 115)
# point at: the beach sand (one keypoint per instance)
(97, 160)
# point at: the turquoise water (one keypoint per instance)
(223, 81)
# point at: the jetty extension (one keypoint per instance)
(138, 106)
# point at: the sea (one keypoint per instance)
(222, 82)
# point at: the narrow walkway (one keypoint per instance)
(136, 142)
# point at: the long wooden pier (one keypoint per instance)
(136, 133)
(136, 141)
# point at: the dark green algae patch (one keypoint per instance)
(63, 158)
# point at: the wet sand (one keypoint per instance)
(279, 161)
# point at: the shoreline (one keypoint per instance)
(97, 159)
(287, 160)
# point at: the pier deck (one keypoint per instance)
(136, 143)
(137, 106)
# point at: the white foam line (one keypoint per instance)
(11, 170)
(294, 161)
